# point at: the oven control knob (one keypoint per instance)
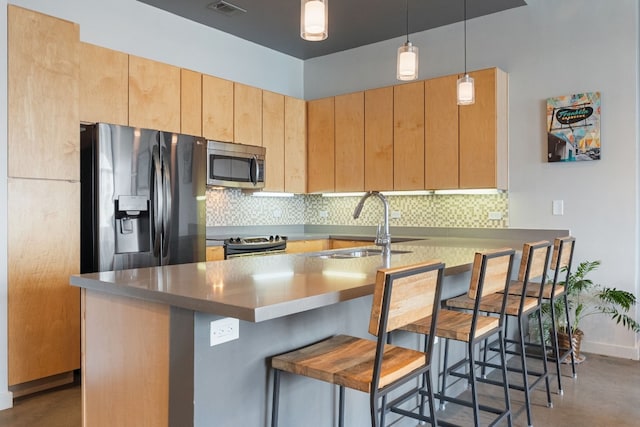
(271, 238)
(277, 237)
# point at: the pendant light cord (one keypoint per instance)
(465, 37)
(408, 21)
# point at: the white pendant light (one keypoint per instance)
(314, 19)
(466, 89)
(407, 63)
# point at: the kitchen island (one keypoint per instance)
(146, 358)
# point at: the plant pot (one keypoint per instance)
(576, 340)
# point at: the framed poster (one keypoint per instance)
(573, 127)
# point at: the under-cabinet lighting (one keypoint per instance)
(385, 193)
(352, 194)
(407, 193)
(470, 191)
(271, 194)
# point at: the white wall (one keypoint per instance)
(549, 48)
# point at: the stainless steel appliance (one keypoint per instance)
(235, 165)
(253, 246)
(142, 198)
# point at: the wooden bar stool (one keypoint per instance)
(554, 293)
(533, 265)
(490, 274)
(401, 295)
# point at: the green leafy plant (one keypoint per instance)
(586, 298)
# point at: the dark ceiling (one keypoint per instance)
(352, 23)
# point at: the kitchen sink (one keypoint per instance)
(353, 253)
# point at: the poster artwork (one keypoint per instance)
(573, 127)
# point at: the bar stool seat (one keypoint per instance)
(552, 293)
(490, 273)
(401, 295)
(535, 257)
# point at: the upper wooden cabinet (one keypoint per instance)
(190, 102)
(104, 94)
(273, 140)
(378, 139)
(217, 108)
(154, 95)
(43, 94)
(247, 115)
(349, 142)
(408, 136)
(320, 145)
(484, 133)
(441, 133)
(295, 145)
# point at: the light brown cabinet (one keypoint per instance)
(44, 250)
(320, 145)
(43, 74)
(349, 142)
(484, 133)
(378, 139)
(295, 145)
(217, 108)
(215, 253)
(247, 114)
(343, 244)
(273, 140)
(154, 91)
(190, 102)
(299, 246)
(104, 94)
(441, 133)
(408, 136)
(43, 239)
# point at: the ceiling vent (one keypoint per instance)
(226, 8)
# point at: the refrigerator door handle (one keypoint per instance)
(166, 217)
(158, 201)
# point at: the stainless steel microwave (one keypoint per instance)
(235, 165)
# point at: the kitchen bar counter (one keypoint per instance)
(147, 357)
(261, 288)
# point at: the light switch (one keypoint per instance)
(558, 207)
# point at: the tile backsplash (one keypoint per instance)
(232, 207)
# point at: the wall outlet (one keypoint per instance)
(224, 330)
(396, 214)
(495, 215)
(323, 214)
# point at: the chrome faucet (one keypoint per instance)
(383, 236)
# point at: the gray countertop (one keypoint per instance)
(260, 288)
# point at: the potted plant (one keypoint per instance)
(586, 298)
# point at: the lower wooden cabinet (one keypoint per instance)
(340, 244)
(298, 246)
(215, 253)
(43, 251)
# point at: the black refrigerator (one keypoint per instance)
(142, 198)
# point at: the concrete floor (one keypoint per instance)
(606, 393)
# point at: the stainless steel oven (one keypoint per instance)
(254, 246)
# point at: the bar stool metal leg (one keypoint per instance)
(505, 383)
(276, 398)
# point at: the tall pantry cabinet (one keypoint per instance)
(43, 198)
